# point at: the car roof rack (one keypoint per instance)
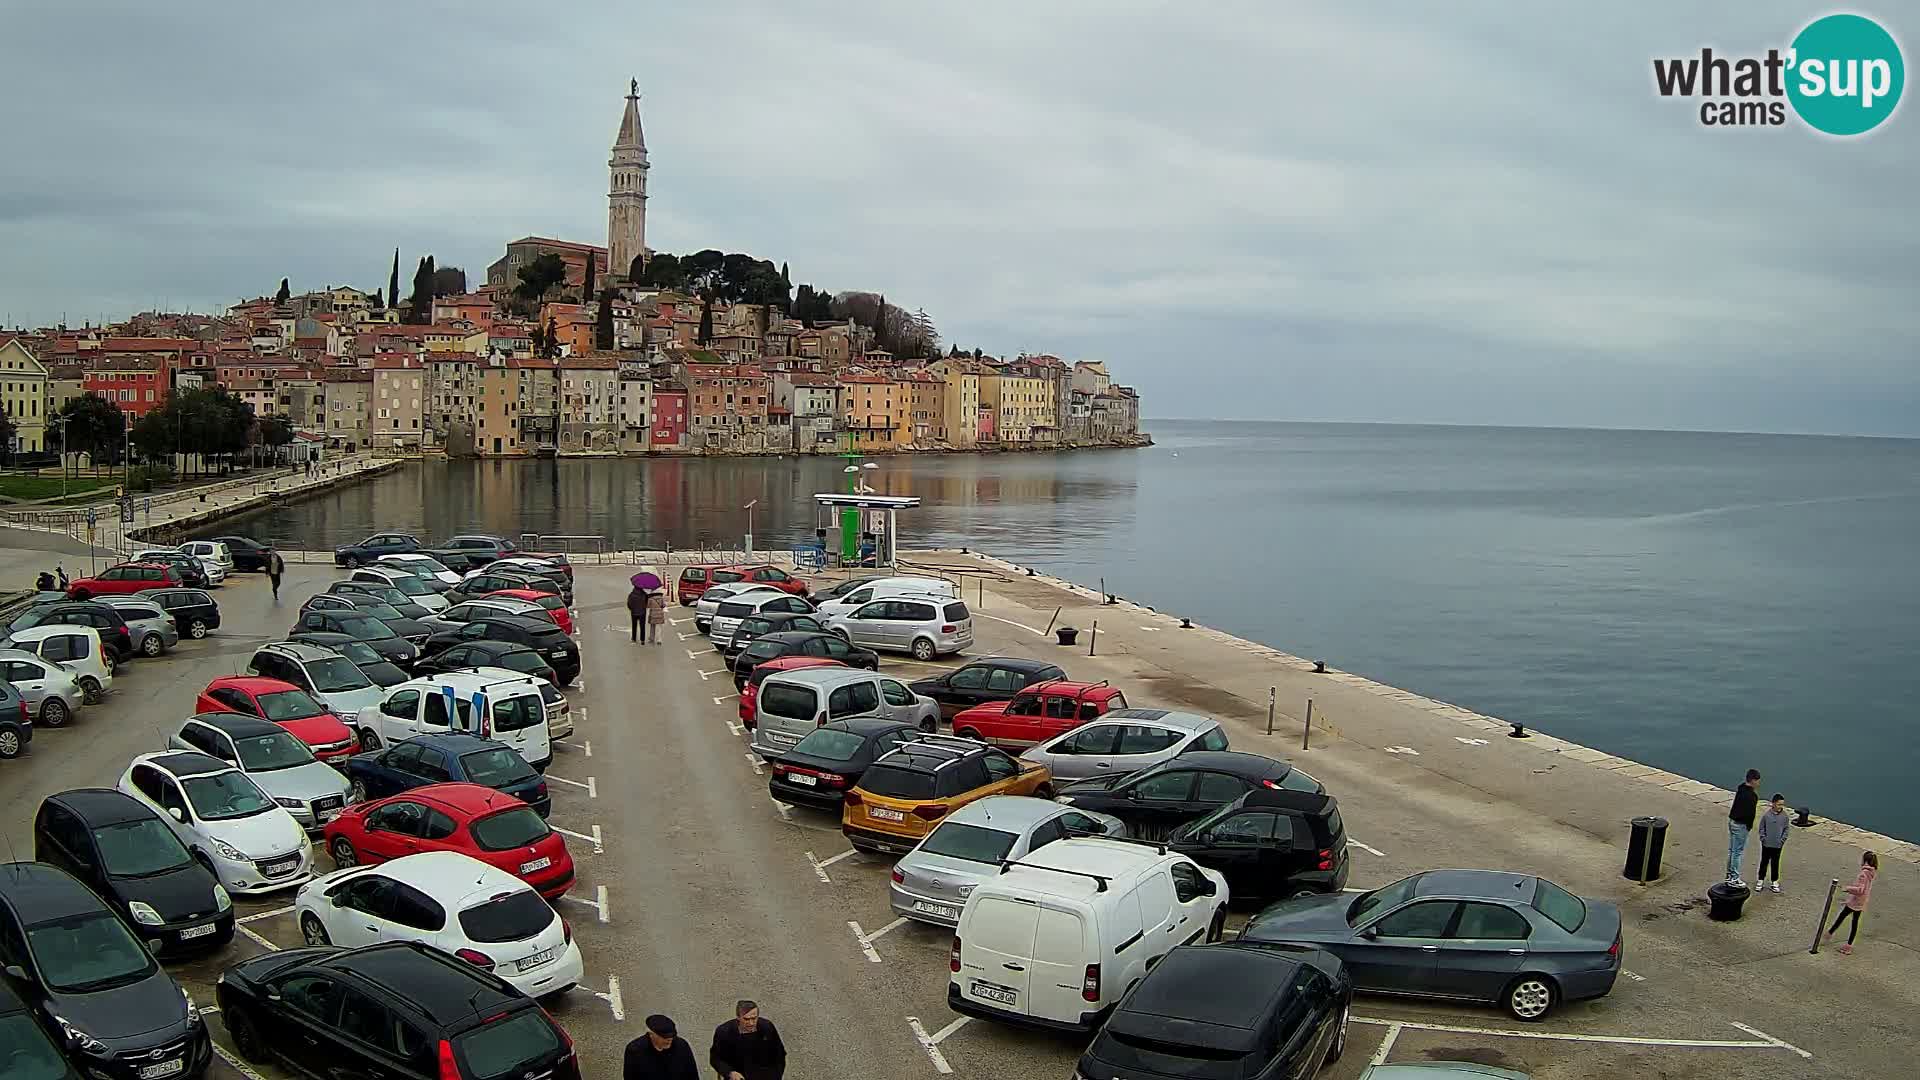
(1157, 845)
(1100, 881)
(952, 740)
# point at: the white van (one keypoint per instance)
(848, 602)
(511, 711)
(791, 704)
(1060, 936)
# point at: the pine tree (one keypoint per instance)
(393, 280)
(785, 279)
(553, 338)
(420, 304)
(281, 296)
(378, 300)
(706, 319)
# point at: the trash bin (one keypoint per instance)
(1066, 634)
(1725, 901)
(1645, 844)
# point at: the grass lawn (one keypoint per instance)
(34, 486)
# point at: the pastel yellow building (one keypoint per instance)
(23, 395)
(1020, 405)
(875, 411)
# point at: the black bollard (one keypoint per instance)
(1519, 731)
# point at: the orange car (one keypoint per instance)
(902, 796)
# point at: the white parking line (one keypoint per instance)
(1386, 1045)
(753, 761)
(734, 727)
(837, 858)
(1782, 1044)
(592, 786)
(705, 675)
(684, 637)
(691, 655)
(1631, 975)
(785, 811)
(612, 997)
(1764, 1040)
(1365, 847)
(257, 939)
(932, 1045)
(866, 943)
(599, 904)
(677, 622)
(260, 915)
(1010, 622)
(724, 700)
(239, 1066)
(598, 847)
(585, 746)
(819, 870)
(882, 932)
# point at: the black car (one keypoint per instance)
(827, 646)
(382, 593)
(458, 560)
(1271, 844)
(377, 667)
(16, 721)
(501, 654)
(353, 555)
(398, 1009)
(96, 989)
(413, 630)
(821, 768)
(363, 627)
(194, 611)
(105, 618)
(491, 581)
(30, 1054)
(118, 847)
(990, 678)
(1252, 1012)
(482, 546)
(770, 622)
(248, 553)
(540, 635)
(1155, 801)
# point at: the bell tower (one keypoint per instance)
(627, 190)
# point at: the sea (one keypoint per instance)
(1702, 602)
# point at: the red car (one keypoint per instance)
(125, 579)
(1038, 713)
(555, 607)
(284, 704)
(750, 693)
(695, 579)
(496, 828)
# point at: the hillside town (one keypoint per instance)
(575, 349)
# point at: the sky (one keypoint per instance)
(1474, 213)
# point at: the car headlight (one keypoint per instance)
(193, 1011)
(291, 804)
(306, 843)
(78, 1037)
(221, 901)
(228, 851)
(144, 914)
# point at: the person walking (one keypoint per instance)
(748, 1047)
(1856, 902)
(1746, 801)
(637, 611)
(1774, 827)
(276, 566)
(657, 613)
(660, 1054)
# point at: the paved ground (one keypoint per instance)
(702, 890)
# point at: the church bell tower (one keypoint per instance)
(627, 190)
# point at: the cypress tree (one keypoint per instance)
(586, 289)
(393, 280)
(281, 296)
(603, 323)
(706, 319)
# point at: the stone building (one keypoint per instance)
(589, 405)
(399, 403)
(627, 188)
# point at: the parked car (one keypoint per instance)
(75, 648)
(96, 990)
(506, 708)
(362, 627)
(1285, 1019)
(842, 588)
(770, 575)
(1271, 844)
(488, 825)
(31, 1052)
(194, 611)
(482, 546)
(905, 793)
(153, 630)
(1473, 935)
(238, 831)
(500, 576)
(438, 759)
(821, 767)
(1154, 802)
(1038, 713)
(753, 627)
(382, 593)
(930, 883)
(498, 654)
(456, 559)
(542, 566)
(273, 758)
(248, 553)
(122, 849)
(331, 678)
(413, 631)
(422, 564)
(749, 709)
(371, 664)
(540, 635)
(194, 572)
(727, 616)
(39, 691)
(415, 588)
(990, 678)
(463, 611)
(353, 556)
(1126, 741)
(696, 580)
(792, 703)
(311, 1010)
(925, 626)
(550, 602)
(812, 644)
(110, 625)
(710, 600)
(284, 704)
(846, 603)
(123, 579)
(1060, 937)
(212, 551)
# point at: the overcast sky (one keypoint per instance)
(1432, 213)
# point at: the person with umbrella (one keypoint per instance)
(645, 585)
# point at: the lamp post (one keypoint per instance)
(751, 503)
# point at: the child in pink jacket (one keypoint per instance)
(1856, 901)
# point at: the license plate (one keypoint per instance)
(192, 932)
(165, 1068)
(328, 815)
(942, 911)
(286, 866)
(884, 814)
(537, 864)
(995, 993)
(803, 779)
(559, 652)
(528, 963)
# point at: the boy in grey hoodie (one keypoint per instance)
(1774, 826)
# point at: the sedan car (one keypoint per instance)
(990, 678)
(488, 825)
(1126, 741)
(1154, 802)
(498, 654)
(250, 841)
(121, 849)
(930, 883)
(283, 767)
(371, 664)
(827, 762)
(1473, 935)
(781, 644)
(438, 759)
(360, 626)
(194, 611)
(153, 630)
(96, 990)
(248, 553)
(385, 594)
(353, 556)
(49, 692)
(123, 579)
(540, 635)
(286, 705)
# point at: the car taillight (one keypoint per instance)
(953, 958)
(566, 931)
(25, 718)
(1326, 858)
(930, 811)
(1090, 985)
(477, 959)
(1270, 785)
(851, 798)
(540, 791)
(833, 779)
(1613, 950)
(449, 1068)
(949, 629)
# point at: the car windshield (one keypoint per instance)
(1164, 1058)
(425, 564)
(832, 745)
(520, 827)
(1385, 898)
(764, 650)
(336, 675)
(550, 602)
(515, 916)
(86, 953)
(272, 751)
(1568, 911)
(895, 782)
(410, 585)
(524, 660)
(224, 796)
(365, 627)
(140, 848)
(495, 767)
(379, 610)
(31, 1056)
(382, 593)
(973, 843)
(288, 705)
(506, 1047)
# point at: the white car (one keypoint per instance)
(411, 585)
(423, 565)
(452, 902)
(214, 550)
(74, 647)
(924, 625)
(728, 615)
(336, 681)
(847, 602)
(709, 602)
(249, 841)
(512, 711)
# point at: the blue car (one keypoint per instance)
(441, 759)
(353, 556)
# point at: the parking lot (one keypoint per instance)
(695, 888)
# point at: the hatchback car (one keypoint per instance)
(326, 734)
(248, 553)
(386, 594)
(124, 579)
(194, 611)
(153, 630)
(754, 626)
(76, 649)
(930, 883)
(1474, 935)
(708, 605)
(193, 572)
(498, 654)
(353, 556)
(16, 725)
(904, 794)
(336, 681)
(780, 644)
(410, 585)
(105, 621)
(213, 551)
(1038, 713)
(439, 759)
(250, 841)
(371, 664)
(45, 691)
(990, 678)
(765, 574)
(1154, 802)
(540, 635)
(821, 767)
(552, 603)
(696, 580)
(423, 566)
(400, 1009)
(488, 825)
(273, 758)
(459, 614)
(30, 1053)
(94, 987)
(727, 616)
(500, 576)
(792, 703)
(482, 546)
(925, 626)
(414, 631)
(1126, 741)
(360, 626)
(121, 849)
(1271, 844)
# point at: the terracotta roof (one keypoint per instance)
(590, 363)
(813, 379)
(873, 380)
(393, 363)
(340, 375)
(564, 245)
(140, 344)
(126, 363)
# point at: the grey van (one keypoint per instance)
(793, 703)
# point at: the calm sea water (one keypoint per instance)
(1701, 602)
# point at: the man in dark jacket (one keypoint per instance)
(637, 609)
(1746, 799)
(660, 1054)
(748, 1047)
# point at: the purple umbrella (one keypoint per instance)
(646, 582)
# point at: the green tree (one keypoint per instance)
(586, 287)
(603, 323)
(538, 338)
(538, 276)
(7, 432)
(393, 280)
(94, 426)
(448, 281)
(418, 306)
(706, 318)
(275, 432)
(379, 300)
(553, 339)
(281, 296)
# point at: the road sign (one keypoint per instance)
(146, 505)
(126, 509)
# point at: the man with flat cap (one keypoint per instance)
(660, 1054)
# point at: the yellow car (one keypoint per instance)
(908, 791)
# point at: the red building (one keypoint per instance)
(136, 384)
(669, 420)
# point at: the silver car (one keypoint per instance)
(792, 703)
(708, 605)
(1125, 741)
(466, 611)
(280, 764)
(52, 693)
(727, 616)
(152, 629)
(924, 625)
(931, 882)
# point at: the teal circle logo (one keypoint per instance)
(1846, 74)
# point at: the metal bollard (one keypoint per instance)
(1095, 637)
(1271, 692)
(1832, 888)
(1306, 730)
(1050, 622)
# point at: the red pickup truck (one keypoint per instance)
(1038, 713)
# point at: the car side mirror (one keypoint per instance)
(1205, 837)
(1208, 887)
(17, 972)
(176, 814)
(1133, 794)
(272, 994)
(1370, 933)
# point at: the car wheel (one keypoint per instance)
(246, 1037)
(342, 851)
(90, 690)
(312, 932)
(969, 733)
(928, 726)
(353, 562)
(1529, 997)
(1217, 926)
(368, 740)
(357, 792)
(54, 713)
(151, 646)
(923, 649)
(197, 628)
(1340, 1035)
(9, 743)
(844, 636)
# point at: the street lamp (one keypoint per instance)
(751, 503)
